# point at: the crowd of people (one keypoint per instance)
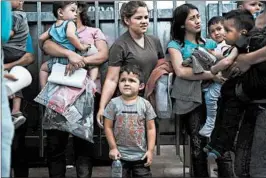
(217, 92)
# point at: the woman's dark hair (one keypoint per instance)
(61, 5)
(130, 8)
(178, 30)
(85, 19)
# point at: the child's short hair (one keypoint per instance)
(61, 4)
(243, 19)
(215, 20)
(135, 69)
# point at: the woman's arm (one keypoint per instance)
(99, 57)
(255, 57)
(53, 49)
(110, 85)
(244, 61)
(108, 91)
(186, 72)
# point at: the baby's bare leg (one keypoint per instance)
(43, 75)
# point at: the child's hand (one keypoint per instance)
(10, 77)
(85, 47)
(219, 78)
(100, 118)
(149, 156)
(114, 154)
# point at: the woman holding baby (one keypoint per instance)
(57, 140)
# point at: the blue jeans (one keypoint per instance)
(212, 94)
(7, 134)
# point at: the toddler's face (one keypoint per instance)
(252, 6)
(232, 34)
(129, 84)
(70, 12)
(217, 32)
(15, 4)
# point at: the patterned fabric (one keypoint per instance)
(82, 127)
(130, 126)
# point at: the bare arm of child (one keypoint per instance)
(73, 38)
(108, 128)
(12, 33)
(151, 136)
(45, 36)
(225, 62)
(94, 73)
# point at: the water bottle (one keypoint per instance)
(116, 169)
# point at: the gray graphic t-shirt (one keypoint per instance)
(130, 126)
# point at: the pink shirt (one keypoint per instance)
(90, 35)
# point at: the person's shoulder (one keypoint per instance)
(123, 40)
(174, 44)
(144, 101)
(18, 14)
(210, 43)
(116, 100)
(152, 37)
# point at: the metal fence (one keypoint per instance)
(105, 16)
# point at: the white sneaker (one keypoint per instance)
(206, 131)
(18, 119)
(69, 166)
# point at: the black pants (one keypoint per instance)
(193, 122)
(135, 169)
(12, 55)
(56, 146)
(229, 115)
(244, 141)
(19, 157)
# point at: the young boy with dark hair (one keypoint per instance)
(212, 93)
(129, 125)
(14, 49)
(237, 91)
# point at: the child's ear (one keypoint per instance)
(244, 32)
(241, 7)
(59, 12)
(141, 86)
